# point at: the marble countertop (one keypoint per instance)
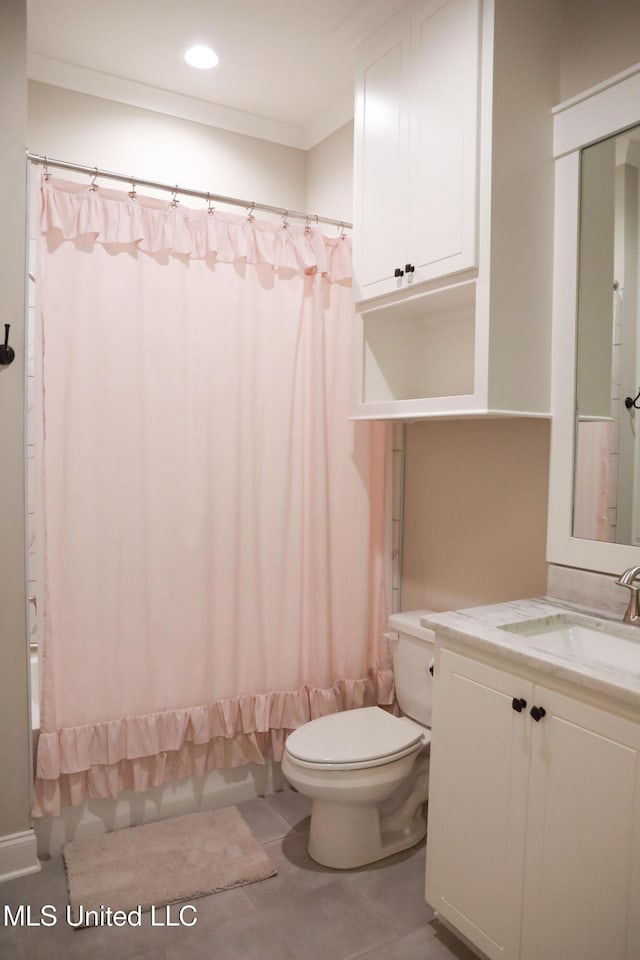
(481, 629)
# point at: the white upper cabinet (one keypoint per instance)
(453, 211)
(416, 154)
(383, 126)
(443, 140)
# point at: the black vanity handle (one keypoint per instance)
(538, 713)
(398, 272)
(518, 704)
(409, 268)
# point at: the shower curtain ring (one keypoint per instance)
(174, 200)
(285, 220)
(250, 216)
(210, 207)
(132, 192)
(47, 175)
(93, 186)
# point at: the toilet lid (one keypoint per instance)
(353, 736)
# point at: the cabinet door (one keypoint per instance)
(582, 873)
(381, 163)
(477, 802)
(444, 138)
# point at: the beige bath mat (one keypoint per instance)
(160, 863)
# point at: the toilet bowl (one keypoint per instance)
(366, 770)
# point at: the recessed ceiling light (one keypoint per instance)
(201, 57)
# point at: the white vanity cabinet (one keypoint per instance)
(453, 207)
(533, 848)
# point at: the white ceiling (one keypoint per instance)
(286, 66)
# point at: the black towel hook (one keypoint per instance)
(7, 353)
(632, 402)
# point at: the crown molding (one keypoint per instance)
(328, 122)
(58, 73)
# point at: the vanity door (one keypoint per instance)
(478, 781)
(582, 870)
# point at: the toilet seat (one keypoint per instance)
(355, 739)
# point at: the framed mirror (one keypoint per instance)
(606, 480)
(594, 492)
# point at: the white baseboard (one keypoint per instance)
(219, 788)
(18, 855)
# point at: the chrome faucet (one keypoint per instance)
(633, 610)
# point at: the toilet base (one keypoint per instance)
(365, 814)
(344, 837)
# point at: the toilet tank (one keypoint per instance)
(412, 656)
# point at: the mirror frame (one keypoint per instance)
(598, 113)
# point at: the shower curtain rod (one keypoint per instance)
(249, 205)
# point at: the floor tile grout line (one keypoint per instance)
(371, 905)
(372, 950)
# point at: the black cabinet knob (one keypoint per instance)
(538, 713)
(518, 704)
(398, 272)
(409, 268)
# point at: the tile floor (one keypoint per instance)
(305, 912)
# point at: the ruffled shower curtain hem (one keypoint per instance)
(137, 753)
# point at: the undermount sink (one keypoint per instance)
(581, 639)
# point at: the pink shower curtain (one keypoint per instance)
(213, 522)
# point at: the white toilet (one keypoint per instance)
(366, 770)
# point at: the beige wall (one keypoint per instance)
(330, 175)
(95, 132)
(89, 130)
(475, 512)
(598, 40)
(14, 715)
